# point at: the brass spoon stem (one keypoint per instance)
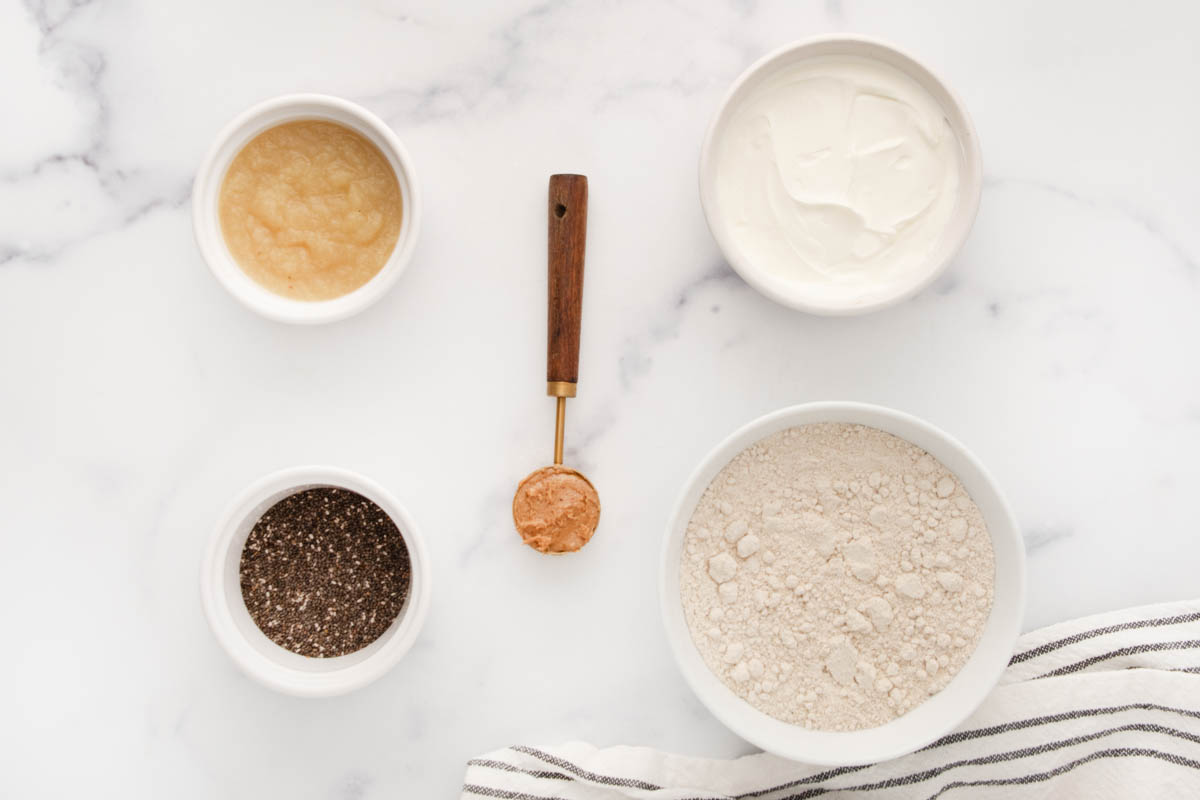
(560, 424)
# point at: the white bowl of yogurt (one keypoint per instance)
(840, 175)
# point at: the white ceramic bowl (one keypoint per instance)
(970, 172)
(207, 188)
(940, 713)
(251, 650)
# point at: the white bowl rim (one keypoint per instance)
(395, 642)
(207, 230)
(960, 223)
(971, 684)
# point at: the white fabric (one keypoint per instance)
(1103, 707)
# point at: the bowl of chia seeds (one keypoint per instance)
(316, 581)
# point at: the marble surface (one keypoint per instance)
(138, 397)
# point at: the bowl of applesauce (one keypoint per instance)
(306, 208)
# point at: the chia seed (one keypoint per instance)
(324, 572)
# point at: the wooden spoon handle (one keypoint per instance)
(567, 237)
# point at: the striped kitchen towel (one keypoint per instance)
(1103, 707)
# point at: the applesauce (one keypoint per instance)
(310, 209)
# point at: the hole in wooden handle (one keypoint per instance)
(560, 210)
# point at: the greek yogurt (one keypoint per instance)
(841, 174)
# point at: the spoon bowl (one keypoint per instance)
(556, 509)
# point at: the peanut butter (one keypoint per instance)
(556, 510)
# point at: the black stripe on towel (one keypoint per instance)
(535, 773)
(979, 733)
(953, 738)
(500, 765)
(628, 783)
(817, 778)
(993, 759)
(606, 780)
(1042, 649)
(1038, 777)
(1154, 647)
(1033, 722)
(489, 791)
(611, 781)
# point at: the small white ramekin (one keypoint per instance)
(249, 647)
(933, 718)
(207, 189)
(970, 174)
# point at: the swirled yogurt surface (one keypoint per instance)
(839, 173)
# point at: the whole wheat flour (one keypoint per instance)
(834, 576)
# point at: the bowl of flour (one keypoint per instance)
(841, 583)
